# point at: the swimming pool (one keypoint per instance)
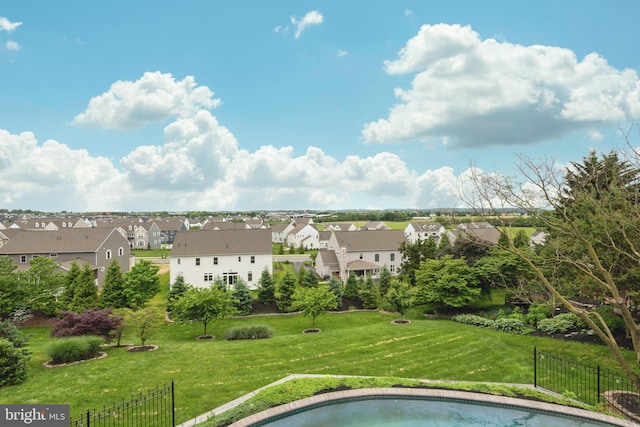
(423, 407)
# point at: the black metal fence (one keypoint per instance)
(155, 408)
(583, 382)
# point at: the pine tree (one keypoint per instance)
(369, 293)
(69, 290)
(336, 287)
(385, 280)
(266, 288)
(113, 294)
(242, 298)
(286, 290)
(178, 289)
(85, 291)
(351, 287)
(310, 279)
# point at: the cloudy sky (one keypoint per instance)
(291, 104)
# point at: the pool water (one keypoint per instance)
(390, 412)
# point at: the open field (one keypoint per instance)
(208, 374)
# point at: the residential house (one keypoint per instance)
(340, 226)
(362, 252)
(53, 224)
(95, 246)
(278, 234)
(424, 230)
(538, 238)
(375, 225)
(140, 233)
(169, 227)
(478, 230)
(302, 231)
(202, 256)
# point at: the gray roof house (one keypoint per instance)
(96, 246)
(202, 256)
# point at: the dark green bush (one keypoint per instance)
(72, 349)
(248, 332)
(536, 313)
(613, 320)
(561, 324)
(13, 363)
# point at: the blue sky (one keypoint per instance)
(254, 105)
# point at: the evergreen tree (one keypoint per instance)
(266, 288)
(351, 287)
(69, 290)
(286, 290)
(113, 293)
(219, 283)
(369, 293)
(142, 283)
(242, 298)
(336, 287)
(385, 280)
(178, 289)
(310, 279)
(85, 291)
(301, 273)
(11, 294)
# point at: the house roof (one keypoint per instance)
(329, 258)
(426, 226)
(370, 240)
(361, 264)
(222, 242)
(67, 240)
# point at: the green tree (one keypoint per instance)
(400, 297)
(85, 291)
(177, 289)
(242, 299)
(369, 293)
(144, 321)
(43, 283)
(142, 283)
(301, 275)
(351, 287)
(385, 280)
(266, 288)
(69, 287)
(446, 281)
(314, 302)
(336, 287)
(285, 292)
(204, 305)
(13, 363)
(310, 279)
(413, 255)
(11, 294)
(113, 288)
(280, 249)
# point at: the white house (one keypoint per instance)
(302, 231)
(419, 230)
(201, 256)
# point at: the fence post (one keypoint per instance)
(173, 406)
(535, 368)
(598, 397)
(88, 418)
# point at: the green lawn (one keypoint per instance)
(150, 253)
(208, 374)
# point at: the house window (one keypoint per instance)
(360, 255)
(377, 257)
(392, 268)
(208, 277)
(108, 254)
(393, 257)
(35, 256)
(250, 276)
(253, 259)
(120, 251)
(37, 225)
(64, 224)
(215, 260)
(197, 261)
(229, 279)
(178, 261)
(239, 259)
(23, 259)
(53, 255)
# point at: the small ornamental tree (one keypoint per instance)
(285, 293)
(144, 321)
(301, 275)
(85, 291)
(43, 282)
(385, 280)
(11, 296)
(336, 287)
(242, 298)
(92, 321)
(176, 291)
(314, 302)
(446, 281)
(142, 283)
(400, 297)
(351, 287)
(369, 293)
(69, 287)
(113, 288)
(266, 288)
(204, 305)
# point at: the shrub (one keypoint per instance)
(561, 324)
(13, 363)
(613, 320)
(248, 332)
(475, 320)
(90, 322)
(72, 349)
(536, 313)
(510, 325)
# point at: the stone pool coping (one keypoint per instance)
(428, 393)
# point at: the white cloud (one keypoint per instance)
(12, 45)
(408, 12)
(154, 97)
(342, 53)
(6, 25)
(311, 18)
(473, 93)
